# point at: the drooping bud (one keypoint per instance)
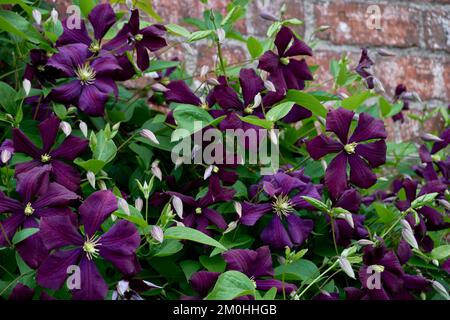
(430, 137)
(5, 156)
(159, 87)
(208, 172)
(54, 16)
(178, 206)
(378, 86)
(102, 185)
(37, 16)
(238, 208)
(269, 86)
(123, 204)
(268, 16)
(91, 178)
(83, 128)
(66, 128)
(408, 235)
(365, 242)
(231, 226)
(147, 134)
(257, 101)
(26, 86)
(204, 71)
(440, 289)
(213, 82)
(346, 267)
(139, 203)
(347, 217)
(221, 35)
(156, 171)
(157, 233)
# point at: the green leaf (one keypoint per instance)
(316, 203)
(385, 106)
(229, 16)
(423, 200)
(385, 214)
(254, 47)
(168, 248)
(23, 234)
(93, 165)
(307, 101)
(441, 252)
(185, 233)
(189, 267)
(271, 294)
(8, 98)
(178, 30)
(147, 7)
(190, 118)
(132, 218)
(257, 121)
(353, 102)
(158, 65)
(213, 264)
(198, 35)
(105, 149)
(15, 24)
(279, 111)
(303, 270)
(86, 6)
(230, 285)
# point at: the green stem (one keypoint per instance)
(317, 279)
(402, 215)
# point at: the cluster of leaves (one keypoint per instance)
(92, 205)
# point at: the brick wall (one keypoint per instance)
(418, 32)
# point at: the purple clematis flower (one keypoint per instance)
(286, 193)
(395, 284)
(68, 150)
(344, 232)
(285, 71)
(428, 217)
(41, 107)
(327, 296)
(399, 90)
(38, 199)
(361, 156)
(37, 68)
(363, 68)
(6, 151)
(197, 214)
(22, 292)
(132, 37)
(118, 245)
(101, 17)
(202, 282)
(257, 265)
(92, 78)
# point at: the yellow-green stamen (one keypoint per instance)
(198, 210)
(45, 158)
(138, 37)
(90, 247)
(377, 268)
(284, 60)
(85, 74)
(94, 47)
(282, 206)
(28, 211)
(350, 148)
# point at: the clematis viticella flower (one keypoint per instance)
(345, 231)
(284, 70)
(399, 90)
(38, 199)
(198, 214)
(70, 246)
(6, 151)
(364, 150)
(22, 292)
(49, 155)
(38, 69)
(285, 193)
(427, 218)
(132, 37)
(90, 81)
(394, 283)
(364, 68)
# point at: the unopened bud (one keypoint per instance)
(91, 178)
(268, 16)
(430, 137)
(347, 217)
(139, 204)
(5, 155)
(159, 87)
(129, 4)
(213, 82)
(435, 262)
(323, 28)
(178, 206)
(238, 208)
(123, 204)
(221, 35)
(102, 185)
(54, 16)
(440, 289)
(26, 86)
(145, 133)
(157, 233)
(204, 71)
(156, 171)
(346, 267)
(365, 242)
(257, 101)
(273, 136)
(269, 86)
(66, 128)
(37, 16)
(231, 226)
(83, 128)
(208, 172)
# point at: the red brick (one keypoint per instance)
(294, 9)
(437, 30)
(232, 55)
(399, 24)
(421, 74)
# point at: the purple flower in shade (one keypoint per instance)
(101, 17)
(286, 194)
(399, 90)
(446, 266)
(257, 265)
(38, 199)
(361, 155)
(404, 252)
(118, 246)
(132, 37)
(284, 71)
(91, 82)
(197, 214)
(201, 282)
(428, 217)
(350, 200)
(327, 296)
(22, 292)
(395, 284)
(68, 150)
(6, 151)
(37, 68)
(363, 68)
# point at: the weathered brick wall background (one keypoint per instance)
(417, 31)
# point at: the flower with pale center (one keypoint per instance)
(94, 47)
(282, 205)
(377, 268)
(198, 210)
(138, 37)
(45, 158)
(28, 211)
(350, 147)
(90, 247)
(284, 60)
(85, 74)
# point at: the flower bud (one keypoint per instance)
(365, 242)
(430, 137)
(273, 136)
(347, 217)
(37, 16)
(269, 86)
(238, 208)
(54, 16)
(156, 171)
(178, 206)
(213, 82)
(221, 35)
(84, 129)
(208, 172)
(385, 53)
(26, 86)
(440, 289)
(435, 262)
(231, 226)
(159, 87)
(268, 16)
(157, 233)
(147, 134)
(66, 128)
(123, 204)
(102, 185)
(91, 178)
(346, 267)
(5, 155)
(409, 237)
(129, 4)
(139, 203)
(204, 71)
(257, 101)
